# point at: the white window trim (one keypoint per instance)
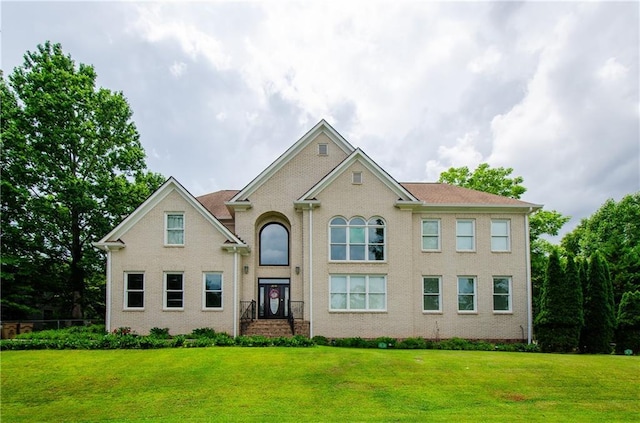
(509, 295)
(126, 291)
(439, 310)
(204, 292)
(164, 292)
(473, 235)
(166, 229)
(508, 236)
(475, 295)
(367, 292)
(439, 247)
(366, 244)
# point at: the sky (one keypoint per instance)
(221, 89)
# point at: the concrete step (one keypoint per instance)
(269, 328)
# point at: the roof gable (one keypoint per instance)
(321, 127)
(169, 186)
(359, 156)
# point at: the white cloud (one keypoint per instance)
(463, 153)
(178, 69)
(612, 70)
(486, 62)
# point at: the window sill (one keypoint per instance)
(467, 313)
(501, 252)
(432, 312)
(174, 245)
(173, 309)
(127, 309)
(466, 251)
(358, 262)
(212, 309)
(501, 312)
(431, 251)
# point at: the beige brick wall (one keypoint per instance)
(145, 252)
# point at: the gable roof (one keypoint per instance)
(170, 185)
(434, 193)
(320, 127)
(359, 156)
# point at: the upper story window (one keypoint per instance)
(431, 235)
(500, 235)
(357, 239)
(174, 229)
(465, 235)
(274, 245)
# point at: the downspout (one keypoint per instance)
(107, 316)
(310, 270)
(235, 292)
(528, 277)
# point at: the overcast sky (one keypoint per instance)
(220, 89)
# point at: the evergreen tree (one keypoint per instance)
(628, 329)
(560, 319)
(599, 317)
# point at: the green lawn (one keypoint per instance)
(320, 384)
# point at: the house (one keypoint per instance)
(326, 241)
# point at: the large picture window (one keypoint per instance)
(357, 239)
(173, 291)
(174, 234)
(358, 292)
(466, 294)
(432, 293)
(274, 245)
(212, 290)
(134, 290)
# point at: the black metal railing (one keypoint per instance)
(296, 312)
(247, 314)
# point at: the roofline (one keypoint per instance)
(320, 127)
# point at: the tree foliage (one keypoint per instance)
(560, 318)
(484, 178)
(72, 166)
(628, 325)
(599, 315)
(614, 230)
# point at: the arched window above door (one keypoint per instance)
(274, 245)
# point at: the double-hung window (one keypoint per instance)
(212, 298)
(465, 235)
(357, 239)
(467, 300)
(134, 290)
(173, 291)
(174, 229)
(500, 235)
(501, 294)
(358, 292)
(431, 235)
(432, 293)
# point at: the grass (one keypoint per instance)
(316, 384)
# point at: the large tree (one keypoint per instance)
(614, 230)
(599, 314)
(560, 319)
(72, 165)
(542, 222)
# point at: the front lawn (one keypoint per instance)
(320, 384)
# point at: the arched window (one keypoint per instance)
(357, 239)
(274, 245)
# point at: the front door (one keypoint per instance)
(274, 298)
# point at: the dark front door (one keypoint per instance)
(274, 298)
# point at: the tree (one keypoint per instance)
(560, 318)
(599, 318)
(487, 179)
(628, 325)
(614, 230)
(72, 166)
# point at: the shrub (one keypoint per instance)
(412, 344)
(160, 333)
(203, 333)
(628, 330)
(320, 340)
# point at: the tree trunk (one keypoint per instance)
(77, 272)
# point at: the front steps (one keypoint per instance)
(275, 328)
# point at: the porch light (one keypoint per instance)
(297, 270)
(246, 269)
